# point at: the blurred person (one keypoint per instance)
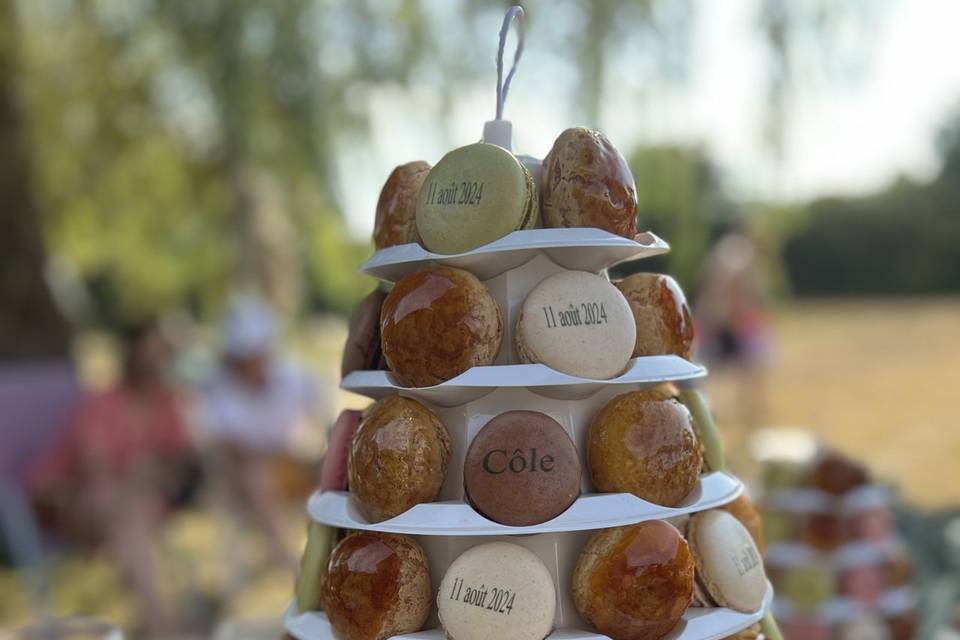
(252, 412)
(733, 325)
(114, 474)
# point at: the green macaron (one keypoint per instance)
(313, 564)
(473, 196)
(770, 627)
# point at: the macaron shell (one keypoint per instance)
(473, 196)
(313, 565)
(396, 218)
(577, 323)
(531, 212)
(729, 566)
(663, 319)
(770, 627)
(479, 585)
(587, 183)
(743, 510)
(362, 349)
(333, 471)
(700, 596)
(521, 469)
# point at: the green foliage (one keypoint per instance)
(679, 197)
(336, 290)
(904, 240)
(153, 122)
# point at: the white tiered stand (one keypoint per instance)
(510, 268)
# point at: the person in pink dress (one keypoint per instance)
(112, 476)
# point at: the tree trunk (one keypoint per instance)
(31, 327)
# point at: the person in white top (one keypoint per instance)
(250, 412)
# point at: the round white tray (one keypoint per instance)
(456, 518)
(582, 249)
(698, 624)
(477, 382)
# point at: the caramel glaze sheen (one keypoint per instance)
(644, 443)
(663, 318)
(743, 510)
(398, 458)
(634, 583)
(377, 586)
(437, 323)
(587, 183)
(396, 221)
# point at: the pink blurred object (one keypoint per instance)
(875, 524)
(36, 401)
(333, 474)
(865, 584)
(805, 629)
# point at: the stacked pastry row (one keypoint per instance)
(634, 582)
(441, 321)
(575, 322)
(481, 192)
(522, 467)
(827, 503)
(834, 556)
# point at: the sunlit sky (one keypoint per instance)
(848, 137)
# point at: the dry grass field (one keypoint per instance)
(877, 379)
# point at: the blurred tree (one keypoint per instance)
(680, 197)
(948, 144)
(902, 240)
(30, 324)
(811, 45)
(183, 148)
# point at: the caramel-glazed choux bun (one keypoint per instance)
(663, 318)
(643, 442)
(436, 324)
(396, 221)
(634, 583)
(587, 183)
(377, 586)
(398, 458)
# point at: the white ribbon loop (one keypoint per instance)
(514, 13)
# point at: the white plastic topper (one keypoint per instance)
(578, 248)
